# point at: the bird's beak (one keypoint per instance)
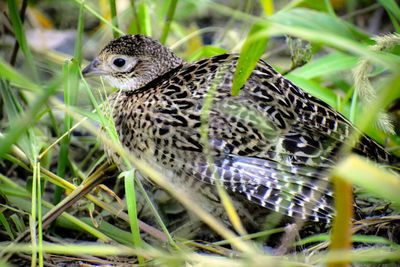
(93, 69)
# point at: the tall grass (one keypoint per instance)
(37, 142)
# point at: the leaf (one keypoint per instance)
(268, 6)
(326, 65)
(27, 119)
(4, 222)
(342, 223)
(13, 76)
(168, 20)
(144, 18)
(309, 25)
(373, 179)
(114, 20)
(391, 7)
(206, 51)
(252, 50)
(372, 239)
(132, 211)
(19, 34)
(313, 20)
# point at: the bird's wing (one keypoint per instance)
(296, 191)
(268, 90)
(283, 170)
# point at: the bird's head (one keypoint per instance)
(131, 61)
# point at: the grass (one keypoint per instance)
(39, 147)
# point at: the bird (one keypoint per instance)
(272, 145)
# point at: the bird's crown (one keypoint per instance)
(131, 61)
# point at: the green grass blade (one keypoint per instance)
(268, 6)
(19, 34)
(168, 20)
(396, 24)
(6, 225)
(97, 15)
(156, 214)
(318, 21)
(16, 78)
(13, 110)
(330, 39)
(326, 65)
(131, 203)
(206, 51)
(106, 228)
(391, 7)
(342, 223)
(252, 50)
(27, 119)
(114, 19)
(18, 222)
(372, 178)
(134, 27)
(64, 145)
(329, 7)
(144, 18)
(372, 239)
(79, 35)
(71, 72)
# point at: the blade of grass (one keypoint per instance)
(79, 36)
(114, 19)
(268, 6)
(19, 34)
(33, 220)
(156, 214)
(168, 20)
(135, 26)
(144, 18)
(252, 50)
(71, 72)
(355, 238)
(328, 64)
(9, 73)
(64, 144)
(395, 23)
(329, 7)
(97, 15)
(312, 20)
(132, 212)
(233, 13)
(373, 179)
(36, 176)
(25, 205)
(6, 225)
(13, 110)
(16, 44)
(109, 127)
(206, 51)
(28, 118)
(341, 229)
(18, 222)
(391, 7)
(331, 39)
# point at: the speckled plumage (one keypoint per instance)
(273, 143)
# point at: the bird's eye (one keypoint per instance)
(119, 62)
